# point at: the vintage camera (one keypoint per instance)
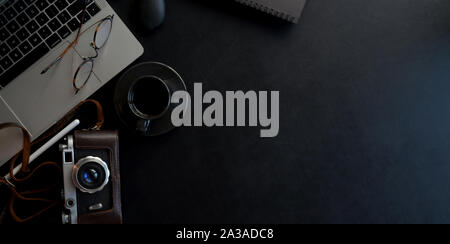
(91, 178)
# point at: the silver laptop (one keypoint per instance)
(33, 33)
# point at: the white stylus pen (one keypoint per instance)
(47, 145)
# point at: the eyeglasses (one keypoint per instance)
(86, 68)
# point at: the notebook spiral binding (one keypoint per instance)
(268, 10)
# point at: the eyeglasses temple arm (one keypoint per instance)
(67, 48)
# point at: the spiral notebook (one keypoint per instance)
(289, 10)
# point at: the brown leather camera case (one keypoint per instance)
(109, 140)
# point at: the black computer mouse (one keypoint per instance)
(151, 13)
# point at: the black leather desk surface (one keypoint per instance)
(365, 116)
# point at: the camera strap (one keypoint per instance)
(25, 153)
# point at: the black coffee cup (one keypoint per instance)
(143, 98)
(149, 99)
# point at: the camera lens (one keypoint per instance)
(91, 174)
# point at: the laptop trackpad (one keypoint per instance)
(11, 139)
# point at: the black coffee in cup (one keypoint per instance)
(149, 97)
(142, 98)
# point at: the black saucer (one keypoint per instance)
(172, 79)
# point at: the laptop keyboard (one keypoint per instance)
(29, 29)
